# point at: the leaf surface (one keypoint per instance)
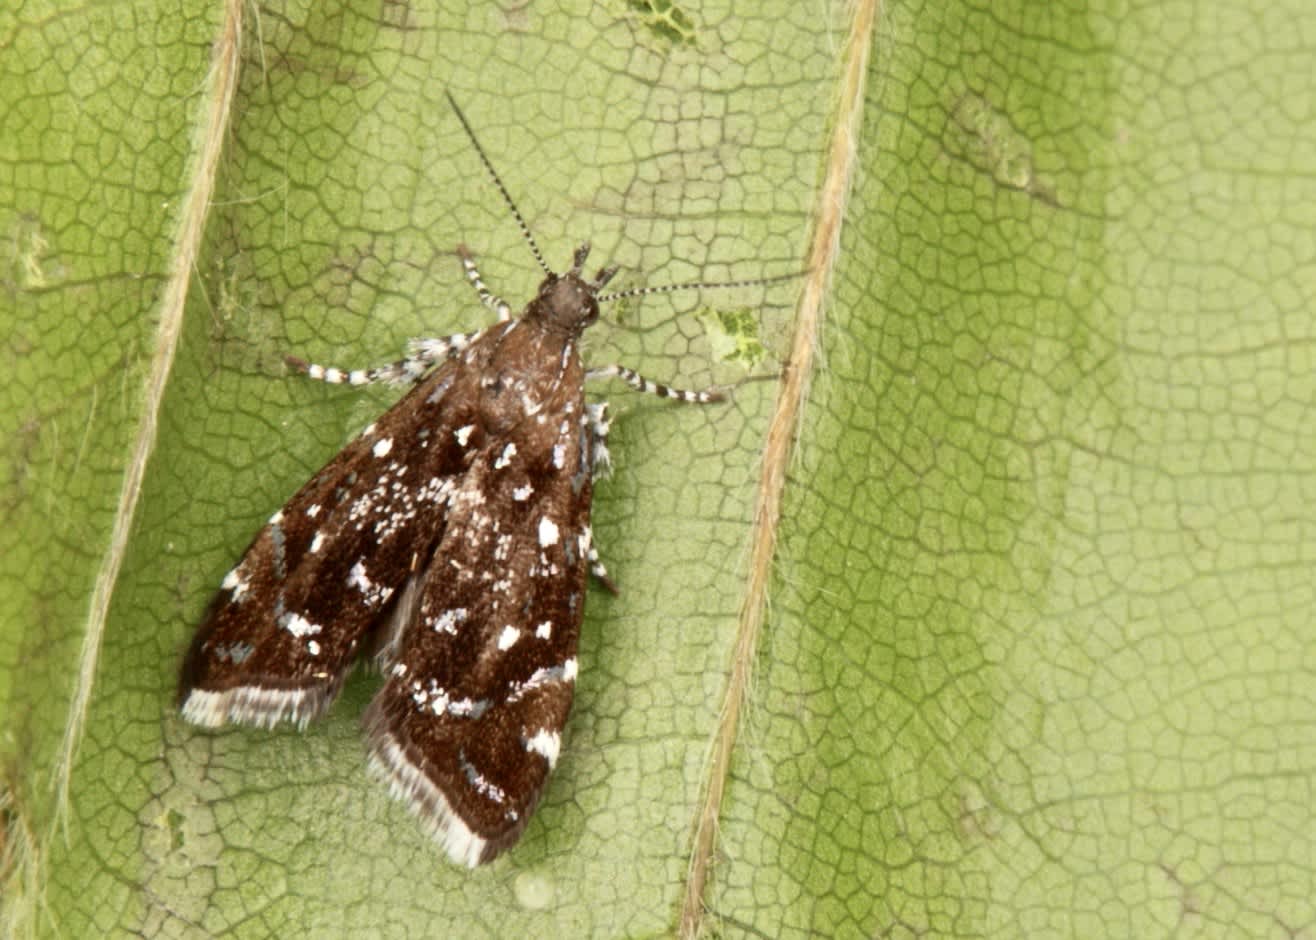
(1037, 657)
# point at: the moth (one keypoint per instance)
(451, 541)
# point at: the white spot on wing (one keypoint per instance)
(546, 743)
(506, 456)
(299, 626)
(522, 493)
(542, 676)
(382, 447)
(447, 621)
(358, 578)
(507, 639)
(464, 434)
(374, 593)
(544, 630)
(547, 532)
(468, 707)
(483, 785)
(237, 584)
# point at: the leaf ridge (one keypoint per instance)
(208, 148)
(824, 249)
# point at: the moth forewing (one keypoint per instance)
(470, 718)
(290, 618)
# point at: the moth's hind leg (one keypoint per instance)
(422, 356)
(596, 424)
(597, 569)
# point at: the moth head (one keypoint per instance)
(568, 302)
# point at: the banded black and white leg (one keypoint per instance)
(422, 355)
(487, 297)
(598, 424)
(638, 382)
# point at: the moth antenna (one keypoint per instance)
(507, 197)
(697, 285)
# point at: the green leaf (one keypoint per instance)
(1038, 652)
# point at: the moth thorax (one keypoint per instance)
(565, 304)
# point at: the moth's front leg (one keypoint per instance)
(423, 354)
(487, 297)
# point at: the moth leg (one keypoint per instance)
(598, 424)
(487, 297)
(422, 355)
(597, 569)
(641, 384)
(594, 425)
